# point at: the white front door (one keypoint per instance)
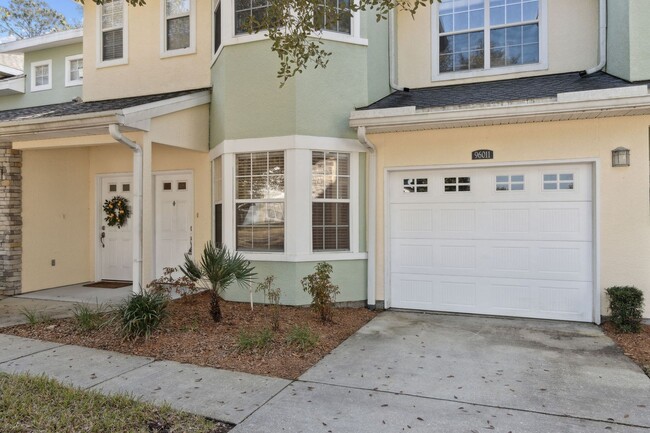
(511, 241)
(174, 222)
(116, 244)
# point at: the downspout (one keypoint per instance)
(372, 214)
(138, 181)
(392, 57)
(602, 55)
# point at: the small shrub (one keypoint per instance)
(273, 296)
(249, 340)
(626, 305)
(323, 292)
(183, 286)
(35, 317)
(302, 337)
(87, 318)
(141, 314)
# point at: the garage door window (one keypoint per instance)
(510, 183)
(457, 184)
(554, 182)
(416, 185)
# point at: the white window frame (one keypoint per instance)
(164, 52)
(68, 69)
(34, 65)
(230, 38)
(215, 54)
(125, 39)
(298, 216)
(487, 70)
(337, 200)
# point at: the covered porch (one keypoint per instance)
(76, 156)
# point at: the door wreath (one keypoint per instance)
(117, 211)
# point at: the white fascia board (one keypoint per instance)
(10, 71)
(50, 40)
(79, 124)
(393, 119)
(12, 86)
(133, 115)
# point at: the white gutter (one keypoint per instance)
(602, 54)
(371, 214)
(138, 181)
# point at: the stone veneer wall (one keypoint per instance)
(10, 220)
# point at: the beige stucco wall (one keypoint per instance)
(60, 208)
(572, 43)
(146, 72)
(624, 244)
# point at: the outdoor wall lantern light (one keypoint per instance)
(620, 157)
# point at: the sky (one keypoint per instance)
(66, 7)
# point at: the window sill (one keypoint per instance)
(74, 84)
(109, 63)
(40, 89)
(325, 36)
(460, 75)
(177, 53)
(295, 258)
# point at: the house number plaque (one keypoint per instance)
(483, 154)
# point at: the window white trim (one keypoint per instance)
(68, 62)
(459, 75)
(215, 55)
(164, 52)
(297, 243)
(228, 36)
(125, 39)
(34, 65)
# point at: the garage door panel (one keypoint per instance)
(521, 252)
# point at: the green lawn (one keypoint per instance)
(38, 405)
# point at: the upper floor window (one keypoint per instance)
(41, 75)
(323, 19)
(485, 35)
(245, 9)
(112, 30)
(216, 17)
(74, 70)
(178, 25)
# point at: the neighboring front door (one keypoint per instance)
(116, 244)
(174, 223)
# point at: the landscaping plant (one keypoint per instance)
(216, 270)
(303, 337)
(35, 317)
(167, 283)
(323, 292)
(626, 305)
(273, 295)
(254, 340)
(87, 318)
(141, 314)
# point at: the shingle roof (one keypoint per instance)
(544, 86)
(72, 107)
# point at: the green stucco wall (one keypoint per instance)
(349, 275)
(59, 93)
(248, 102)
(628, 39)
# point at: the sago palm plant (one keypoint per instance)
(216, 270)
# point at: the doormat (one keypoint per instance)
(109, 284)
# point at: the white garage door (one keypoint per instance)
(510, 241)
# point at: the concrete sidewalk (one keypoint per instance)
(219, 394)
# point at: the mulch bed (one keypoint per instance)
(636, 346)
(189, 335)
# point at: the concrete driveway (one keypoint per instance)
(443, 373)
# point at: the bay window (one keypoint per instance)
(330, 184)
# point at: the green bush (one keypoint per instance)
(35, 317)
(141, 314)
(87, 318)
(323, 292)
(302, 337)
(626, 305)
(254, 340)
(273, 295)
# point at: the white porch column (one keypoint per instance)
(148, 212)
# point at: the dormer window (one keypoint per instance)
(113, 20)
(483, 37)
(178, 26)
